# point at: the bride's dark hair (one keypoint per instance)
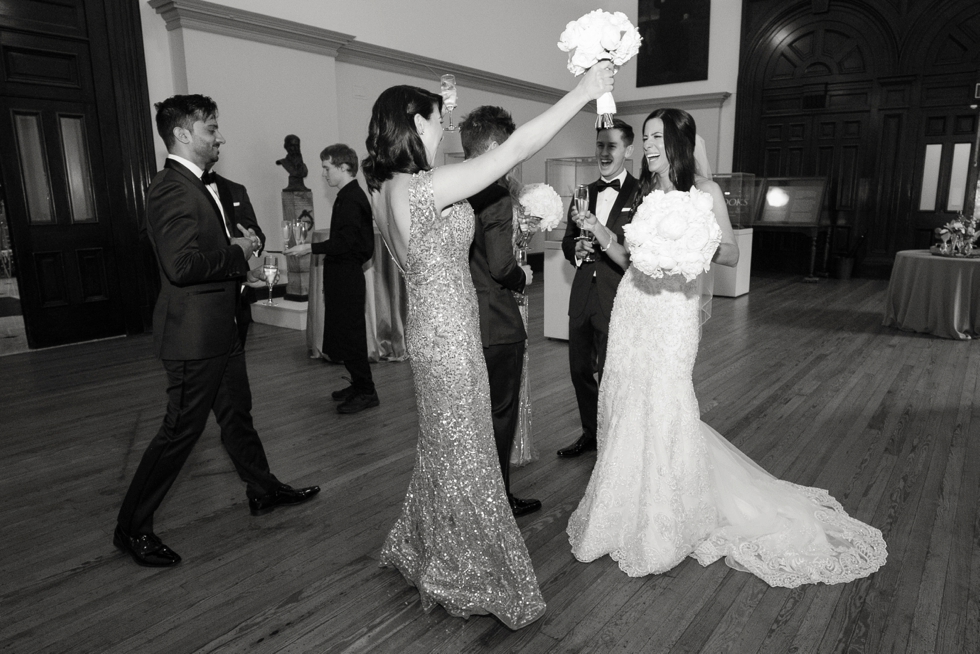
(393, 144)
(679, 138)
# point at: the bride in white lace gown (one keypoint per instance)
(666, 485)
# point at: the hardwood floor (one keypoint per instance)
(801, 377)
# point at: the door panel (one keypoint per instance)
(69, 285)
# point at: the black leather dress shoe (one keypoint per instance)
(343, 393)
(146, 549)
(282, 496)
(578, 448)
(523, 507)
(358, 402)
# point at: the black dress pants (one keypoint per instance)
(194, 389)
(588, 332)
(360, 375)
(505, 363)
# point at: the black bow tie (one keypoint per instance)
(601, 185)
(209, 177)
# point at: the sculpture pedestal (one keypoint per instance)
(297, 206)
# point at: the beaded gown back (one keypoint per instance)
(456, 539)
(667, 486)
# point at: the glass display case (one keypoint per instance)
(741, 192)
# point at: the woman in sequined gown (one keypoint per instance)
(667, 486)
(456, 539)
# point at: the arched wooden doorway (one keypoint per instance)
(856, 92)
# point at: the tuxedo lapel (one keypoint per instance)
(228, 204)
(625, 194)
(593, 197)
(199, 185)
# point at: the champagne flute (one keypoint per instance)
(448, 89)
(270, 270)
(582, 206)
(299, 232)
(287, 232)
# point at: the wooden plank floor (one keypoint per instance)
(801, 377)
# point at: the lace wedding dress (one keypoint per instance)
(456, 539)
(667, 486)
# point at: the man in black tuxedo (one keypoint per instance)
(350, 246)
(597, 277)
(241, 215)
(496, 276)
(201, 268)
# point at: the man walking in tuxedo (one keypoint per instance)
(194, 332)
(496, 276)
(596, 277)
(350, 246)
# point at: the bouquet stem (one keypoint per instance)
(605, 108)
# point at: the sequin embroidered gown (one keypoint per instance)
(456, 539)
(666, 486)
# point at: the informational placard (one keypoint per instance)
(792, 200)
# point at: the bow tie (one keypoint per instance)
(209, 177)
(601, 185)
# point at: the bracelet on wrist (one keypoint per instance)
(607, 245)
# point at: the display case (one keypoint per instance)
(742, 192)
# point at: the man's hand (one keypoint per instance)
(297, 250)
(583, 248)
(245, 243)
(528, 274)
(252, 236)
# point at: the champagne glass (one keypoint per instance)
(270, 270)
(582, 206)
(299, 232)
(448, 89)
(287, 233)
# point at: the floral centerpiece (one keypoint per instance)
(673, 233)
(597, 36)
(959, 235)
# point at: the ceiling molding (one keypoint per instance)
(237, 23)
(381, 58)
(686, 102)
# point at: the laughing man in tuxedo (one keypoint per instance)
(202, 266)
(595, 282)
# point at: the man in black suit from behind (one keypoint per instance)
(496, 276)
(201, 269)
(350, 246)
(594, 285)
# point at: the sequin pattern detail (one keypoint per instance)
(456, 539)
(667, 486)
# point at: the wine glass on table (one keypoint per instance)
(582, 206)
(270, 270)
(448, 89)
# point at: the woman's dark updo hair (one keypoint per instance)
(393, 144)
(679, 137)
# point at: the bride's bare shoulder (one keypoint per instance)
(706, 185)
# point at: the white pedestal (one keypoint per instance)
(558, 275)
(284, 313)
(733, 282)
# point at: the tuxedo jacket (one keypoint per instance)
(200, 270)
(496, 273)
(239, 211)
(350, 246)
(606, 272)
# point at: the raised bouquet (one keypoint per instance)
(673, 233)
(595, 37)
(541, 209)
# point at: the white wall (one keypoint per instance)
(265, 92)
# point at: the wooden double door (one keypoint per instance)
(72, 185)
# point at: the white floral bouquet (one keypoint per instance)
(595, 37)
(963, 231)
(541, 208)
(673, 233)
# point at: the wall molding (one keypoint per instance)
(228, 21)
(687, 102)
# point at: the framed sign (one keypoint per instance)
(675, 41)
(792, 201)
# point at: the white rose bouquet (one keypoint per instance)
(541, 208)
(594, 37)
(673, 233)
